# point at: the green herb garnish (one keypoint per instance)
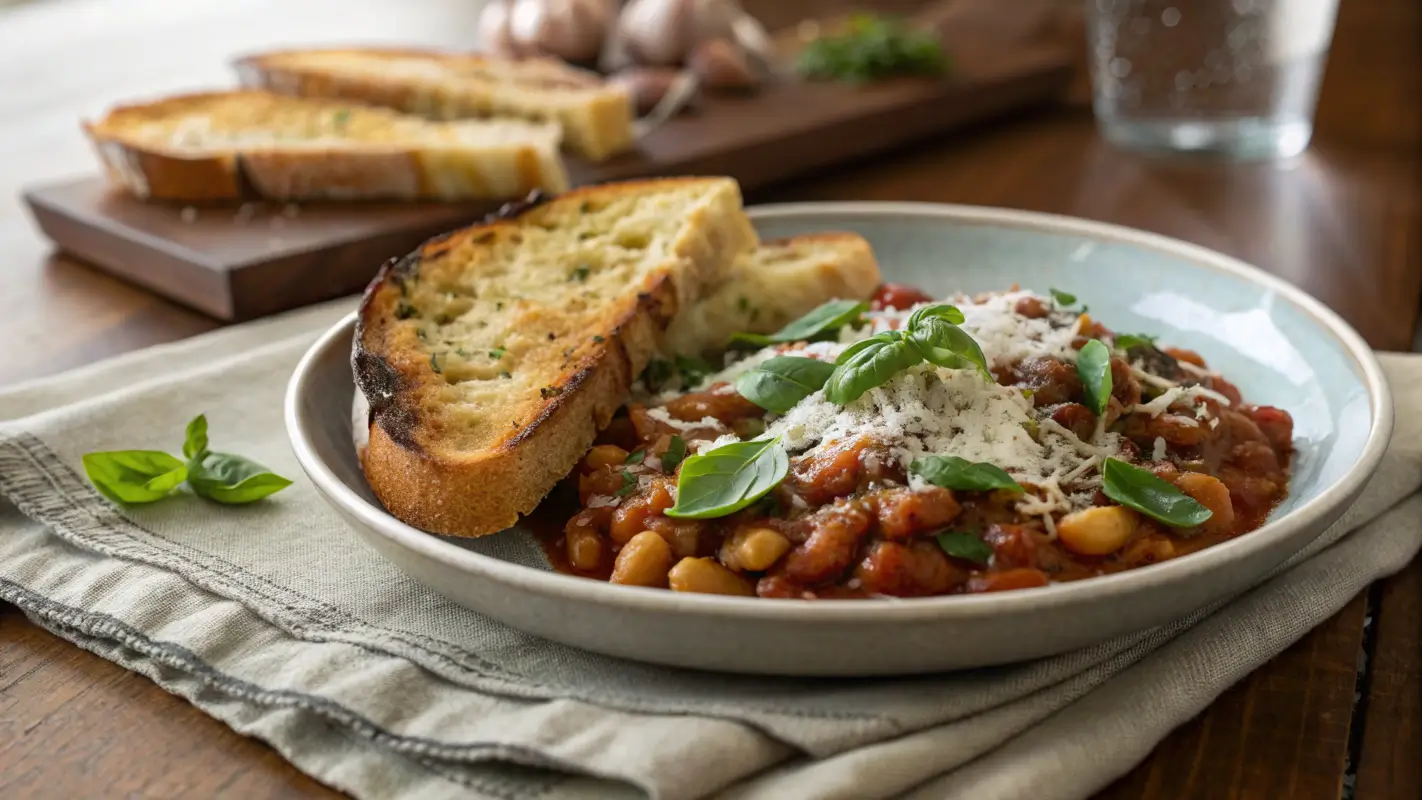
(1142, 490)
(777, 384)
(821, 321)
(693, 369)
(1093, 365)
(729, 478)
(872, 48)
(676, 451)
(497, 353)
(434, 363)
(635, 457)
(581, 273)
(629, 482)
(932, 335)
(952, 472)
(964, 545)
(657, 374)
(144, 476)
(1063, 299)
(341, 117)
(1125, 341)
(404, 310)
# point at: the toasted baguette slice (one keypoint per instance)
(596, 115)
(492, 356)
(233, 145)
(774, 284)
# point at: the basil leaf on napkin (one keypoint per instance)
(1142, 490)
(195, 442)
(1093, 365)
(134, 476)
(964, 545)
(953, 472)
(777, 384)
(232, 479)
(827, 317)
(725, 480)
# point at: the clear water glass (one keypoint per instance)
(1237, 78)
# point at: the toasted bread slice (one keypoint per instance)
(774, 284)
(596, 115)
(492, 356)
(247, 144)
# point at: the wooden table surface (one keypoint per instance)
(1342, 221)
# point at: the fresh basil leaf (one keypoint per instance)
(195, 442)
(1125, 341)
(948, 345)
(939, 311)
(1093, 365)
(676, 451)
(964, 545)
(693, 369)
(1063, 299)
(777, 384)
(635, 457)
(233, 480)
(868, 364)
(828, 317)
(134, 476)
(729, 478)
(1140, 489)
(952, 472)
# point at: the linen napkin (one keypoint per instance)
(276, 620)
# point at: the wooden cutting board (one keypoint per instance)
(236, 263)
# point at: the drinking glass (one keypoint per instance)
(1232, 77)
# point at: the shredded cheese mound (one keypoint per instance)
(929, 410)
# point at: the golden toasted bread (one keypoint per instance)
(251, 144)
(596, 116)
(774, 284)
(492, 356)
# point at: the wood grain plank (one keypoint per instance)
(74, 725)
(1281, 732)
(1391, 763)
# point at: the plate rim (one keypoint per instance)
(945, 608)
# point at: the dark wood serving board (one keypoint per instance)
(238, 263)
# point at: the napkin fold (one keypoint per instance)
(274, 619)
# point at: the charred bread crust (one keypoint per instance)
(483, 492)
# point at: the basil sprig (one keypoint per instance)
(953, 472)
(1063, 299)
(777, 384)
(932, 334)
(144, 476)
(1142, 490)
(1125, 341)
(825, 319)
(1093, 366)
(725, 480)
(965, 545)
(134, 476)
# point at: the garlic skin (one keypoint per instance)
(722, 64)
(493, 29)
(663, 32)
(573, 30)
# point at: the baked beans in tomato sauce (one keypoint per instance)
(845, 523)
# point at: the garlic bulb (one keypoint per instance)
(664, 32)
(573, 30)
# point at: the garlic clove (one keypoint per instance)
(647, 86)
(655, 32)
(722, 64)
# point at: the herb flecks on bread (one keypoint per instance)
(239, 144)
(492, 356)
(596, 115)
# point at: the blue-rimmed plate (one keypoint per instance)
(1280, 346)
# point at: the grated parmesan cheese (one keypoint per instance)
(663, 416)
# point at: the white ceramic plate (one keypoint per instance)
(1280, 347)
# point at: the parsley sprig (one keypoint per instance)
(872, 48)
